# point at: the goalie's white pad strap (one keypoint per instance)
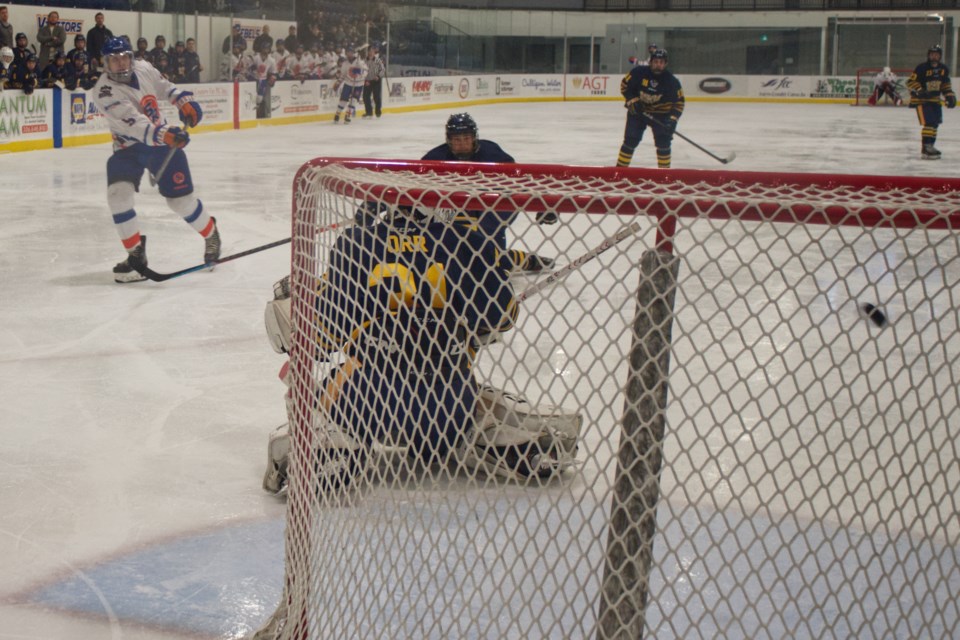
(508, 427)
(276, 318)
(278, 456)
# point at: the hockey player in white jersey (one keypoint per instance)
(350, 79)
(263, 70)
(128, 96)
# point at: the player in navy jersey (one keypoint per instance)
(927, 83)
(128, 95)
(464, 144)
(654, 98)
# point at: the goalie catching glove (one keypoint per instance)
(190, 111)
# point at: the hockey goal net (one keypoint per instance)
(760, 455)
(865, 85)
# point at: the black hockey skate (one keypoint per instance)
(211, 245)
(336, 118)
(126, 271)
(930, 152)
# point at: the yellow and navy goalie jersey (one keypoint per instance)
(927, 83)
(413, 294)
(658, 94)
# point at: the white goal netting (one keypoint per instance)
(758, 453)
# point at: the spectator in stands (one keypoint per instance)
(178, 64)
(51, 37)
(163, 65)
(191, 60)
(159, 47)
(6, 29)
(291, 41)
(6, 65)
(142, 53)
(96, 36)
(24, 77)
(233, 39)
(260, 40)
(280, 59)
(79, 48)
(55, 73)
(22, 50)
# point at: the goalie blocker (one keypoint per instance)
(510, 436)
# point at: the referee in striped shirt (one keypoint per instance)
(373, 86)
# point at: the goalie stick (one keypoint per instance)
(576, 263)
(726, 160)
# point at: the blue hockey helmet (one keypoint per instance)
(118, 58)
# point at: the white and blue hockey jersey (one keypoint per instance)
(133, 110)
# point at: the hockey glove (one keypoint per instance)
(951, 100)
(633, 106)
(547, 217)
(174, 137)
(190, 111)
(670, 125)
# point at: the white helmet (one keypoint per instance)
(6, 54)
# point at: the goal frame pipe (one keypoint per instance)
(732, 198)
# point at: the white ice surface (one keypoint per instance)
(133, 419)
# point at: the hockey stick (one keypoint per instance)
(576, 263)
(150, 274)
(727, 160)
(155, 178)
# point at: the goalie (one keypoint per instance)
(402, 309)
(885, 84)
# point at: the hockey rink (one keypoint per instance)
(135, 417)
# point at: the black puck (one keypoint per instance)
(874, 314)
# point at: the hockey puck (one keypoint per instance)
(874, 314)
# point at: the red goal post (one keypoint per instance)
(864, 88)
(757, 457)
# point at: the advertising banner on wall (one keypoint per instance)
(586, 85)
(26, 119)
(780, 86)
(714, 86)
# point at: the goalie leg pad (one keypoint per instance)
(276, 318)
(278, 459)
(515, 439)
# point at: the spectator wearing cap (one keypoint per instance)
(191, 60)
(142, 53)
(6, 29)
(159, 46)
(291, 41)
(21, 50)
(79, 48)
(55, 73)
(178, 64)
(236, 37)
(96, 36)
(263, 38)
(51, 37)
(25, 77)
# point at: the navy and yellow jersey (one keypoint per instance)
(54, 73)
(927, 83)
(487, 151)
(23, 79)
(657, 94)
(412, 294)
(492, 223)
